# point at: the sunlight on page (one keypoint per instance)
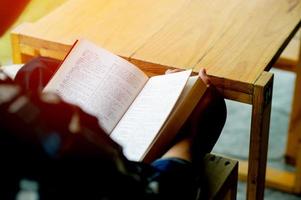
(140, 124)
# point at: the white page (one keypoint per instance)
(98, 81)
(11, 70)
(147, 114)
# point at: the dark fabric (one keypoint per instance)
(36, 144)
(175, 174)
(34, 75)
(208, 126)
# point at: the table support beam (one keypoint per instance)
(275, 178)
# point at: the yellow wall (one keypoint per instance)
(34, 10)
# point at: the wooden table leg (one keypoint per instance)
(18, 56)
(27, 53)
(295, 125)
(15, 43)
(297, 183)
(278, 179)
(294, 134)
(261, 111)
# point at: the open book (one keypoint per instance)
(142, 114)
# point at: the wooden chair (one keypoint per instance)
(220, 178)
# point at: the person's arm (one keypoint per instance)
(9, 12)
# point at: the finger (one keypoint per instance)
(203, 75)
(50, 98)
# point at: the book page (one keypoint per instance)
(144, 119)
(191, 95)
(11, 70)
(98, 81)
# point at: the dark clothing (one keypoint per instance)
(38, 142)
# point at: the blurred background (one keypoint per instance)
(33, 11)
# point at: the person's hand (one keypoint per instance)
(205, 78)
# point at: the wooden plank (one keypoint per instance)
(225, 36)
(228, 84)
(294, 133)
(289, 57)
(17, 59)
(277, 179)
(237, 96)
(297, 185)
(240, 90)
(15, 43)
(261, 110)
(119, 26)
(194, 30)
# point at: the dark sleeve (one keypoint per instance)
(35, 74)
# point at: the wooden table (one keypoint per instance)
(237, 41)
